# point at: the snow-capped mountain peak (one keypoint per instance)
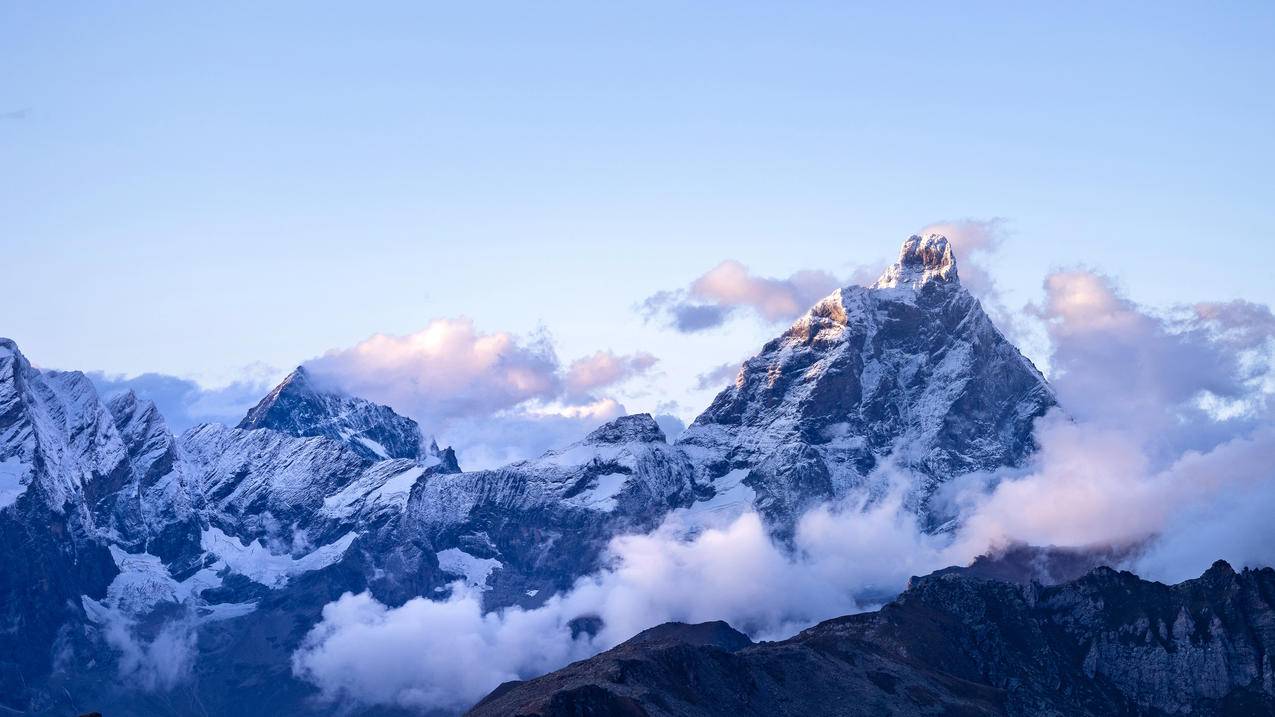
(301, 406)
(637, 427)
(908, 372)
(922, 259)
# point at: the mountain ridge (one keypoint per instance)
(1107, 643)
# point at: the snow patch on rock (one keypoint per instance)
(255, 561)
(14, 479)
(475, 570)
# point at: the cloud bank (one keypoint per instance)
(494, 396)
(448, 369)
(367, 653)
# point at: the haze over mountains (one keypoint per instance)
(325, 552)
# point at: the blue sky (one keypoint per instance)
(195, 190)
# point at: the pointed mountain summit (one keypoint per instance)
(300, 406)
(922, 259)
(637, 427)
(908, 372)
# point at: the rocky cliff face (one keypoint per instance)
(909, 371)
(1105, 644)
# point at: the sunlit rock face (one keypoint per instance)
(1107, 643)
(910, 370)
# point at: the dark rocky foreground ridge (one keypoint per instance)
(1108, 643)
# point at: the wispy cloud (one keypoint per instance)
(729, 288)
(184, 402)
(604, 369)
(717, 377)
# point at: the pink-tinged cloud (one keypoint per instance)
(603, 369)
(448, 369)
(729, 288)
(731, 284)
(1120, 364)
(495, 396)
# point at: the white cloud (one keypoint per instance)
(731, 284)
(718, 377)
(729, 287)
(448, 369)
(157, 664)
(494, 396)
(1168, 420)
(366, 652)
(427, 654)
(603, 369)
(1120, 365)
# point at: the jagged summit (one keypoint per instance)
(300, 406)
(640, 427)
(295, 384)
(922, 260)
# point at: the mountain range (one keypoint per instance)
(119, 539)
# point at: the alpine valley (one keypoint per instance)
(148, 573)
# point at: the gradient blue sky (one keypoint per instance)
(194, 190)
